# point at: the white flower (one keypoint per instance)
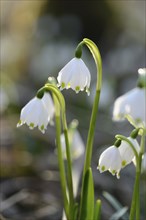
(75, 75)
(143, 165)
(77, 146)
(126, 151)
(37, 112)
(132, 105)
(142, 71)
(110, 160)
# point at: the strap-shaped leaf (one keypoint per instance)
(76, 208)
(87, 209)
(97, 210)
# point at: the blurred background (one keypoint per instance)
(37, 39)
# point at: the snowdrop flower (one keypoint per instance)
(132, 105)
(126, 151)
(37, 112)
(75, 75)
(110, 160)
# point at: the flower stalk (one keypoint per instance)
(61, 102)
(60, 157)
(135, 205)
(89, 146)
(97, 57)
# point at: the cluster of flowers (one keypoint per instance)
(131, 106)
(40, 111)
(118, 156)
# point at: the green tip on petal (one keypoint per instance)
(77, 89)
(31, 126)
(68, 85)
(42, 127)
(113, 172)
(88, 91)
(62, 85)
(103, 168)
(124, 163)
(19, 123)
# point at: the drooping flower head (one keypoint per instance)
(75, 75)
(37, 112)
(110, 160)
(132, 105)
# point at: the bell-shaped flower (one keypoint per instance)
(37, 112)
(131, 105)
(75, 75)
(110, 160)
(126, 151)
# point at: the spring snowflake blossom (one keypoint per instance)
(126, 151)
(37, 112)
(131, 104)
(75, 75)
(110, 160)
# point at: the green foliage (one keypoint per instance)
(87, 209)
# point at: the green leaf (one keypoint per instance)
(87, 209)
(119, 214)
(76, 208)
(97, 210)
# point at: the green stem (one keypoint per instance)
(97, 57)
(135, 206)
(134, 197)
(69, 167)
(89, 146)
(61, 101)
(138, 195)
(90, 138)
(142, 144)
(60, 159)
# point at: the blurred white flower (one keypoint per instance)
(132, 106)
(76, 145)
(126, 151)
(37, 112)
(77, 149)
(142, 71)
(143, 165)
(110, 160)
(75, 75)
